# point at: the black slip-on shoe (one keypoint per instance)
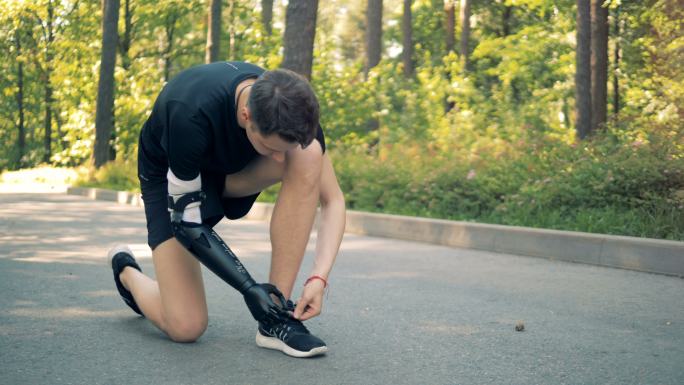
(290, 337)
(119, 257)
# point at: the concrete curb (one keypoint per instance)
(640, 254)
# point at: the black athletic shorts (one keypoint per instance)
(154, 188)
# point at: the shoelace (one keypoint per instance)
(292, 325)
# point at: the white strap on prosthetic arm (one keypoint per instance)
(179, 187)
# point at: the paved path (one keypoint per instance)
(398, 313)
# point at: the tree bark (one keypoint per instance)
(599, 63)
(125, 42)
(169, 29)
(450, 24)
(506, 20)
(373, 34)
(267, 16)
(616, 63)
(213, 32)
(583, 70)
(407, 32)
(104, 116)
(20, 100)
(49, 59)
(464, 19)
(231, 30)
(300, 31)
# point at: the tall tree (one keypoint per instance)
(300, 31)
(464, 19)
(104, 116)
(267, 16)
(231, 30)
(506, 20)
(583, 69)
(170, 23)
(450, 24)
(407, 33)
(20, 97)
(49, 38)
(373, 34)
(616, 62)
(51, 26)
(213, 32)
(125, 40)
(599, 63)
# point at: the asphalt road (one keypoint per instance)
(397, 312)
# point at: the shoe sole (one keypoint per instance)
(276, 344)
(116, 250)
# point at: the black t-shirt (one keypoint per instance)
(193, 126)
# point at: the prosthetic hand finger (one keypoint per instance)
(261, 305)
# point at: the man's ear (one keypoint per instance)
(246, 113)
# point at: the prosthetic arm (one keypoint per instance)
(184, 200)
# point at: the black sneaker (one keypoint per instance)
(119, 257)
(290, 337)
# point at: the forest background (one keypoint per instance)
(557, 114)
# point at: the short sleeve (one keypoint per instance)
(320, 137)
(188, 140)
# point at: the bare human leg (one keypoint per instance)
(176, 302)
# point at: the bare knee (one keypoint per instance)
(186, 330)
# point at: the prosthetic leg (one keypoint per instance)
(211, 251)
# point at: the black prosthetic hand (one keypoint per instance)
(211, 251)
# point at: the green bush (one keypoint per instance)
(117, 175)
(608, 184)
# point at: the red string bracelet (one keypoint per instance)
(325, 283)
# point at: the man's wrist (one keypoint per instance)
(316, 278)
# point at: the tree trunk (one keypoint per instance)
(583, 70)
(373, 34)
(267, 16)
(506, 20)
(169, 29)
(450, 24)
(450, 29)
(464, 19)
(104, 119)
(213, 32)
(373, 47)
(407, 32)
(49, 59)
(300, 31)
(616, 63)
(20, 100)
(599, 63)
(125, 42)
(231, 30)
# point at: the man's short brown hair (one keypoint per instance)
(282, 102)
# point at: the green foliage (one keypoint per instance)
(611, 185)
(494, 142)
(117, 175)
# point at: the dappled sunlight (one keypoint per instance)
(75, 313)
(101, 294)
(141, 250)
(89, 255)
